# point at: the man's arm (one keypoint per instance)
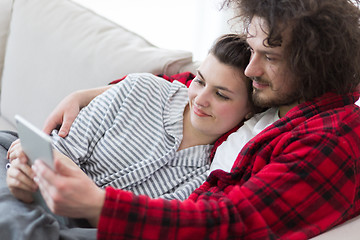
(68, 191)
(66, 111)
(302, 192)
(307, 187)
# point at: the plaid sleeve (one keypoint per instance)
(296, 188)
(127, 216)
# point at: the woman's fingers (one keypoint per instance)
(19, 180)
(15, 152)
(20, 176)
(22, 195)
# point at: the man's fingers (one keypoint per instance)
(51, 123)
(64, 129)
(43, 175)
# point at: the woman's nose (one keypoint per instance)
(202, 98)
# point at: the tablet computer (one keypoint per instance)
(35, 143)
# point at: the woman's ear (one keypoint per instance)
(249, 115)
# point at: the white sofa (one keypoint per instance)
(49, 48)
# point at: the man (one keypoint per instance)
(296, 179)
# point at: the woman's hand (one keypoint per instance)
(20, 181)
(66, 111)
(19, 177)
(15, 152)
(68, 191)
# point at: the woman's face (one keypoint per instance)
(218, 97)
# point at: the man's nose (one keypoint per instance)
(254, 68)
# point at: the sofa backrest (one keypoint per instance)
(56, 47)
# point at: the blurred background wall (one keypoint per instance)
(191, 25)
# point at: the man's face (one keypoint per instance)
(273, 83)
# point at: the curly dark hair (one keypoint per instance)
(323, 51)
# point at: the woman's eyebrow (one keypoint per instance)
(199, 73)
(218, 87)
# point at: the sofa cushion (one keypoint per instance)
(56, 47)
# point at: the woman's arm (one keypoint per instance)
(66, 111)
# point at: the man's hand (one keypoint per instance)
(63, 115)
(66, 111)
(68, 191)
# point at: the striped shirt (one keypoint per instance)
(128, 138)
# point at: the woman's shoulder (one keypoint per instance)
(152, 80)
(146, 79)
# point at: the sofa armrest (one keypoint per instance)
(349, 230)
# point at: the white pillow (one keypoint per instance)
(56, 46)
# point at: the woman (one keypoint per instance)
(151, 136)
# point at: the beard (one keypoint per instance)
(277, 99)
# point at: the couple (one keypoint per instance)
(148, 135)
(296, 179)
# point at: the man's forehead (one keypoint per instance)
(257, 26)
(258, 31)
(256, 34)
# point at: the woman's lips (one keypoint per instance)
(199, 112)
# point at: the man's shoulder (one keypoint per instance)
(338, 122)
(342, 114)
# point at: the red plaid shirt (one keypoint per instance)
(295, 180)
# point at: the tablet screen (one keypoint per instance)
(35, 143)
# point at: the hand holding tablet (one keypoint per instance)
(35, 143)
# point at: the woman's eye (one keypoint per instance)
(199, 81)
(220, 95)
